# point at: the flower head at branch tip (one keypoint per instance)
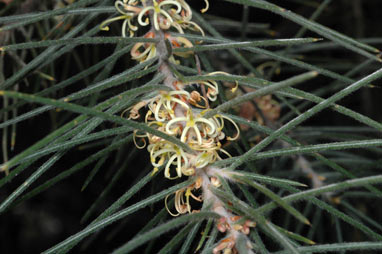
(173, 112)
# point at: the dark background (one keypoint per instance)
(54, 215)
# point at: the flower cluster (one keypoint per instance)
(176, 113)
(165, 14)
(162, 15)
(181, 112)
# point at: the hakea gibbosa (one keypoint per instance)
(181, 112)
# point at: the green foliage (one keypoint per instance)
(297, 176)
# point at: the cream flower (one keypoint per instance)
(163, 106)
(159, 13)
(219, 121)
(127, 11)
(175, 155)
(198, 124)
(182, 198)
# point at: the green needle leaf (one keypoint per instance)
(276, 198)
(92, 112)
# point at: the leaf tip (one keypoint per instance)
(4, 168)
(311, 242)
(379, 58)
(335, 200)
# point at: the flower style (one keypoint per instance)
(134, 110)
(182, 22)
(185, 14)
(128, 11)
(149, 49)
(219, 121)
(176, 156)
(163, 106)
(204, 127)
(161, 18)
(208, 156)
(183, 206)
(212, 88)
(177, 42)
(205, 8)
